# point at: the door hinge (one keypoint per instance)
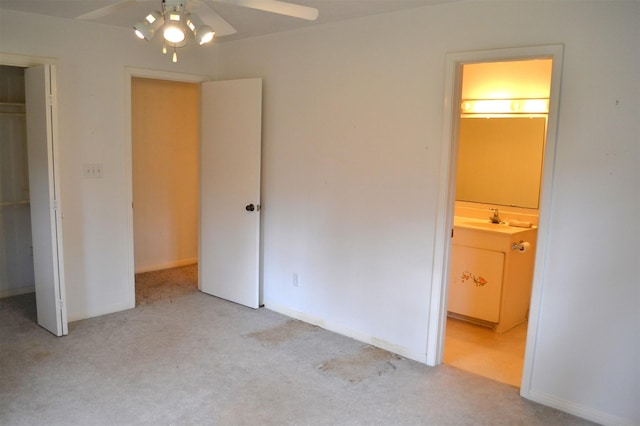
(51, 99)
(451, 232)
(60, 304)
(55, 204)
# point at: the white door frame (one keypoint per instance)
(131, 72)
(446, 195)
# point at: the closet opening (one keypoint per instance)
(17, 282)
(31, 249)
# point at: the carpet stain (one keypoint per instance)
(38, 356)
(369, 361)
(281, 333)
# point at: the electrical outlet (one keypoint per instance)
(93, 171)
(295, 280)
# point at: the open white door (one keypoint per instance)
(230, 150)
(44, 198)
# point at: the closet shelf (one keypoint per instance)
(14, 203)
(12, 108)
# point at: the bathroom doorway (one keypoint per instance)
(499, 160)
(492, 96)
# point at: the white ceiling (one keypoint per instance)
(247, 22)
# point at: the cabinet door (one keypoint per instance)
(475, 282)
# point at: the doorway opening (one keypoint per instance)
(228, 221)
(500, 149)
(16, 252)
(449, 210)
(32, 250)
(165, 145)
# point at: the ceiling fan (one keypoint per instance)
(181, 20)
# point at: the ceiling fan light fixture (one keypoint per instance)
(174, 34)
(177, 24)
(204, 34)
(201, 32)
(175, 29)
(142, 31)
(153, 17)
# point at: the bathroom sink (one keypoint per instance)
(485, 225)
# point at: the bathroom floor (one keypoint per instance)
(480, 350)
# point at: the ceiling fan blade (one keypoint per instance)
(107, 10)
(211, 18)
(279, 7)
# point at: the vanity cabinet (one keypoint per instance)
(489, 281)
(475, 285)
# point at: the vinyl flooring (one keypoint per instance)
(480, 350)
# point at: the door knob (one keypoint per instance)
(250, 208)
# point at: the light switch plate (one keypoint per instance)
(93, 171)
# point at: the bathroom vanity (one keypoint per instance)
(491, 273)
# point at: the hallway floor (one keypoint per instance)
(166, 284)
(482, 351)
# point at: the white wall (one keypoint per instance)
(91, 61)
(352, 138)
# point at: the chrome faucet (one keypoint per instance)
(496, 217)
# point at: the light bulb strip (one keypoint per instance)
(505, 106)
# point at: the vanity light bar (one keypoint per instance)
(505, 106)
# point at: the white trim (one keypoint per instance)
(14, 60)
(166, 265)
(128, 190)
(588, 413)
(546, 192)
(101, 310)
(345, 331)
(445, 204)
(164, 75)
(58, 211)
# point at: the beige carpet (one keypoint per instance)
(200, 360)
(166, 284)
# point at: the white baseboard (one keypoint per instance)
(166, 265)
(345, 331)
(17, 291)
(582, 411)
(104, 310)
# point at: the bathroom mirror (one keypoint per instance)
(500, 160)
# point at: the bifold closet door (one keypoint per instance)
(46, 225)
